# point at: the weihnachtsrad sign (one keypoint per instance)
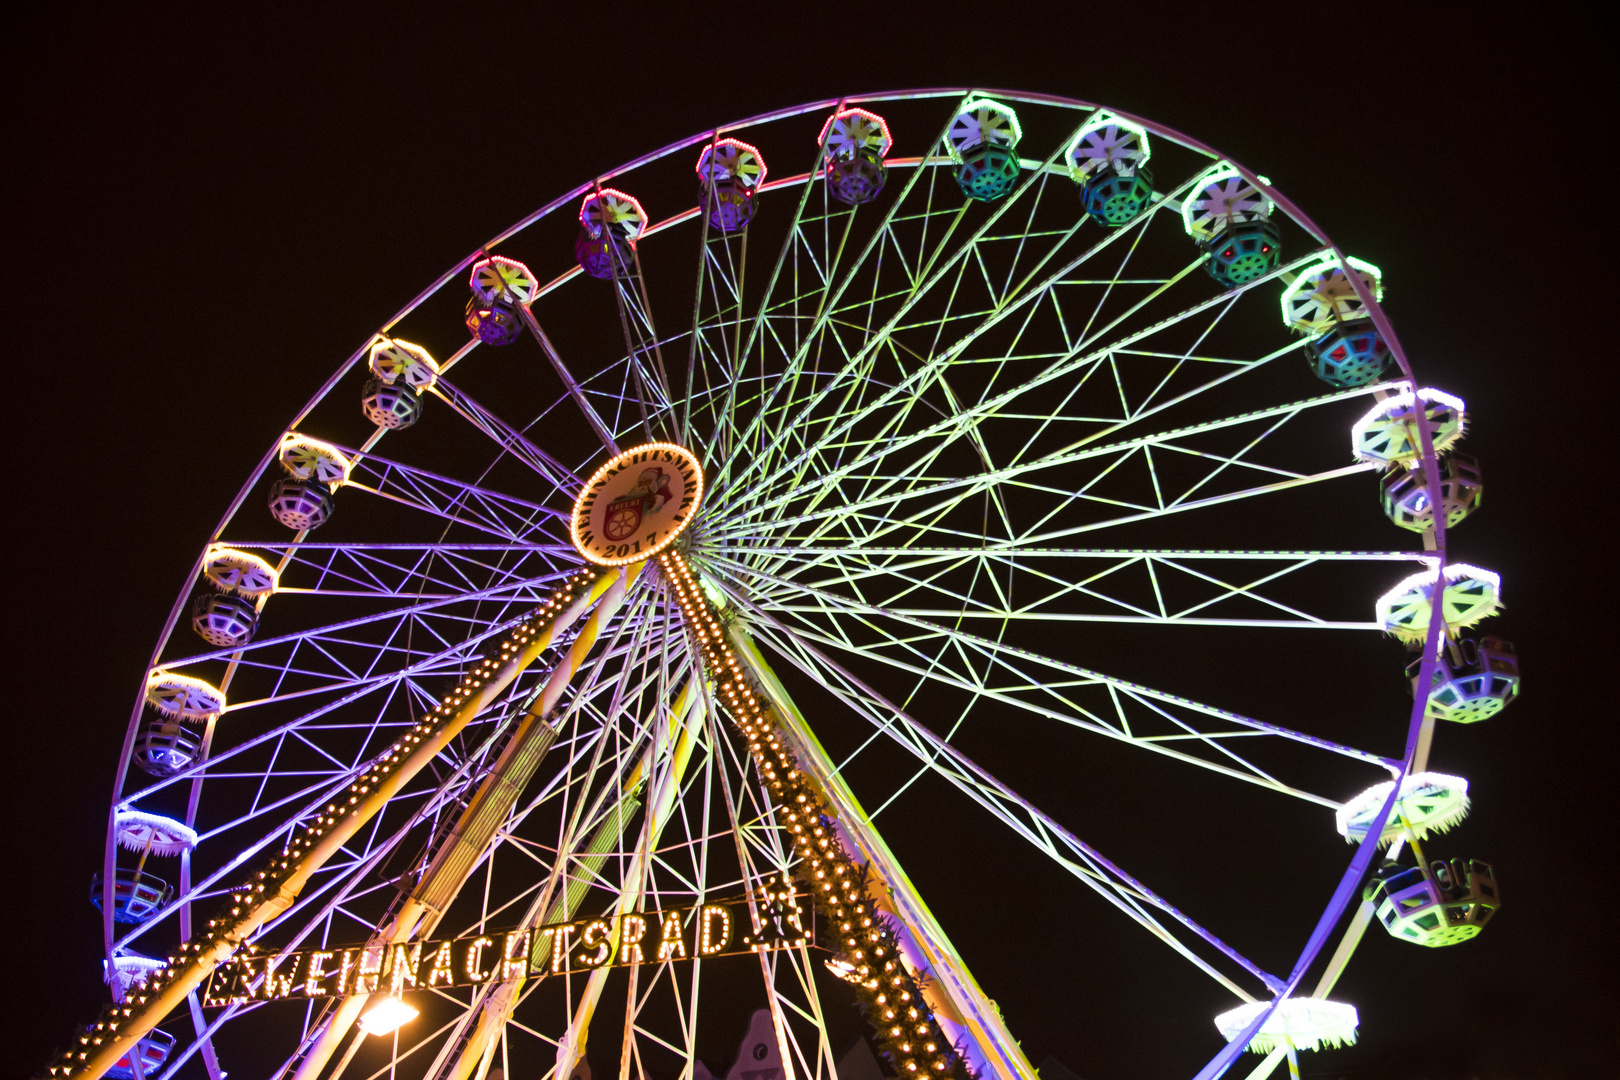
(697, 931)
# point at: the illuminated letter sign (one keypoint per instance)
(700, 931)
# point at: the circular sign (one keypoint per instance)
(637, 504)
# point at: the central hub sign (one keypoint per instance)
(637, 504)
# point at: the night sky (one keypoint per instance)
(207, 212)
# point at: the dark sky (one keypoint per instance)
(190, 194)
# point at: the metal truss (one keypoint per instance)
(944, 441)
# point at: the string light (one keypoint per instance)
(597, 935)
(795, 799)
(514, 955)
(713, 942)
(671, 944)
(822, 862)
(475, 959)
(191, 698)
(632, 928)
(404, 966)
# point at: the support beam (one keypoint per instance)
(677, 742)
(955, 994)
(847, 864)
(571, 1047)
(279, 883)
(461, 848)
(592, 417)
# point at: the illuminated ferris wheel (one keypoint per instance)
(562, 700)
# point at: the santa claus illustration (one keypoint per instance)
(654, 485)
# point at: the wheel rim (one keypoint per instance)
(847, 476)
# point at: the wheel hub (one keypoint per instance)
(637, 504)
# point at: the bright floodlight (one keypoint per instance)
(1303, 1023)
(385, 1016)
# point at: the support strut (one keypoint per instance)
(121, 1026)
(460, 849)
(929, 1014)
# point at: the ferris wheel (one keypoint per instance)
(550, 687)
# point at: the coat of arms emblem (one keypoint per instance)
(649, 496)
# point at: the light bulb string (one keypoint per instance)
(904, 1026)
(122, 1026)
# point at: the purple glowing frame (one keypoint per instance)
(440, 601)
